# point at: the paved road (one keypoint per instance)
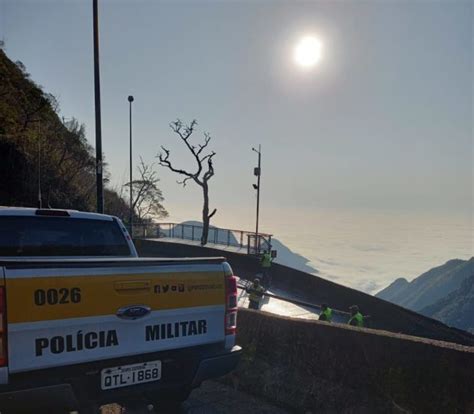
(282, 307)
(211, 398)
(215, 398)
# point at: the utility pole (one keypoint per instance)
(130, 100)
(258, 172)
(38, 133)
(98, 123)
(40, 201)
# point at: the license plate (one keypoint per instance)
(127, 375)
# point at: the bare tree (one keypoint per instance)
(202, 175)
(147, 197)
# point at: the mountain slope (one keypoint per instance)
(32, 133)
(394, 290)
(431, 286)
(456, 309)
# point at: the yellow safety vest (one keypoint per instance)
(266, 260)
(328, 314)
(358, 318)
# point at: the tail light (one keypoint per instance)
(230, 321)
(3, 327)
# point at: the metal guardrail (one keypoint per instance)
(242, 239)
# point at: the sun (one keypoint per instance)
(307, 52)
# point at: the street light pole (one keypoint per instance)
(98, 124)
(258, 172)
(130, 100)
(40, 197)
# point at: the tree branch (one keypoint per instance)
(165, 162)
(210, 171)
(207, 138)
(185, 133)
(183, 182)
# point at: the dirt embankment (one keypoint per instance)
(312, 366)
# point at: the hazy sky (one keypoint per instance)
(383, 122)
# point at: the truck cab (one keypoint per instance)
(85, 321)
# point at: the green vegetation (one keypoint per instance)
(32, 133)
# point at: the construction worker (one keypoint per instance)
(266, 264)
(356, 319)
(255, 292)
(326, 313)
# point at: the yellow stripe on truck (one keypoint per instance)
(51, 298)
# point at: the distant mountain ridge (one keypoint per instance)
(445, 293)
(394, 290)
(430, 287)
(457, 308)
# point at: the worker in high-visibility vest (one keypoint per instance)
(326, 313)
(266, 264)
(356, 319)
(255, 292)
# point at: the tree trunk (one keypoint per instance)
(205, 215)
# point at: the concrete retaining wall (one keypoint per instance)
(312, 366)
(384, 315)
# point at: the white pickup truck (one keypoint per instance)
(84, 321)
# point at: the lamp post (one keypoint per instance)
(257, 172)
(130, 100)
(98, 124)
(40, 197)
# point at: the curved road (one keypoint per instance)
(286, 308)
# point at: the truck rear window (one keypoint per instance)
(60, 236)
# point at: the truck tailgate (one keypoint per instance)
(63, 312)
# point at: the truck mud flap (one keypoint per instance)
(217, 366)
